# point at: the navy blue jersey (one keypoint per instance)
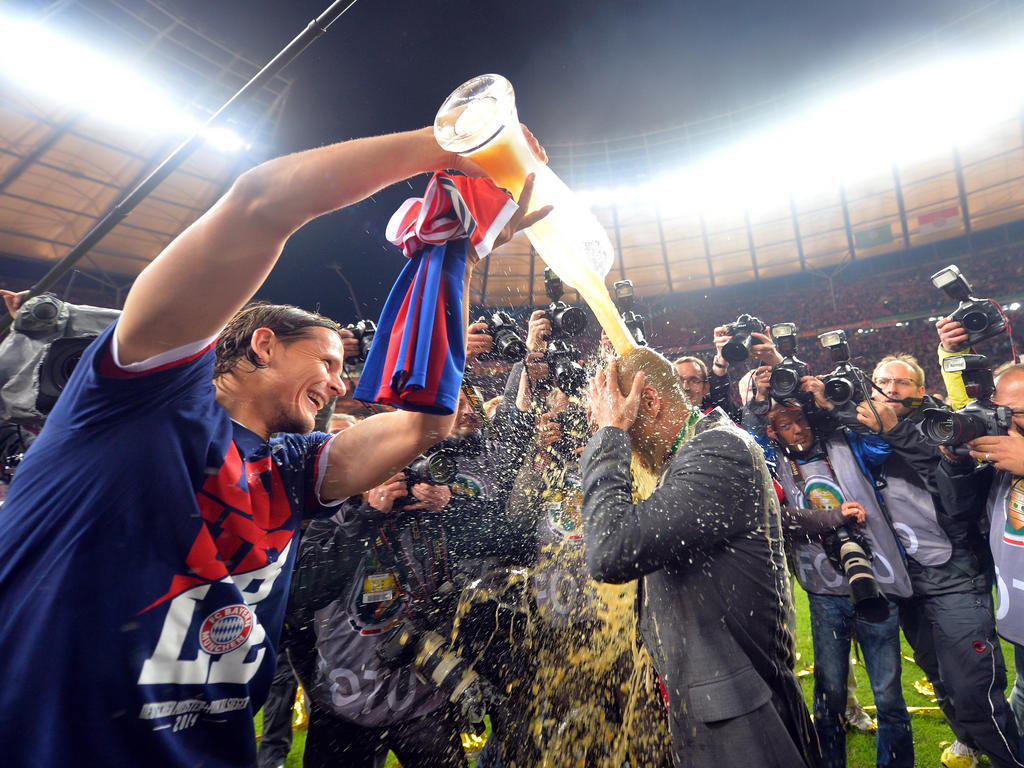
(146, 546)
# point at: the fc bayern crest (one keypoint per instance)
(225, 629)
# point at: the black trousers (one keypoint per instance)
(431, 741)
(954, 641)
(277, 715)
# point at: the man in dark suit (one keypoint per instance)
(715, 597)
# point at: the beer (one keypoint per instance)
(479, 121)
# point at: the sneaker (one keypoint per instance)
(959, 755)
(860, 720)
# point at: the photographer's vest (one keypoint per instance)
(566, 595)
(913, 515)
(1006, 538)
(826, 484)
(406, 561)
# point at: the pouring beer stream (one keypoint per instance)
(479, 121)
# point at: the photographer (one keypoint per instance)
(390, 559)
(995, 489)
(949, 620)
(822, 470)
(758, 346)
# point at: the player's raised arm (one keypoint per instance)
(215, 266)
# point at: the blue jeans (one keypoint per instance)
(832, 625)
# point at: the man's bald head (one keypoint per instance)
(658, 370)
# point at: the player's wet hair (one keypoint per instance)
(287, 322)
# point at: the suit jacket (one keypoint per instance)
(714, 601)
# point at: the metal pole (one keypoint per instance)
(313, 30)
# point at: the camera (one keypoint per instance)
(981, 318)
(565, 320)
(849, 553)
(435, 467)
(846, 383)
(978, 418)
(507, 344)
(364, 332)
(492, 618)
(575, 431)
(624, 303)
(564, 371)
(40, 353)
(784, 383)
(737, 348)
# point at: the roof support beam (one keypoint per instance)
(850, 244)
(796, 233)
(897, 184)
(750, 243)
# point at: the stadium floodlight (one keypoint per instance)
(863, 131)
(46, 64)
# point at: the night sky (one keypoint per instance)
(582, 70)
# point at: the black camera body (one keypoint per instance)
(784, 383)
(363, 331)
(437, 466)
(846, 383)
(737, 349)
(564, 370)
(979, 418)
(575, 431)
(634, 321)
(849, 553)
(981, 318)
(507, 344)
(566, 320)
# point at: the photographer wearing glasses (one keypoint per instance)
(949, 620)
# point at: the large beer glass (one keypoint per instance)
(479, 120)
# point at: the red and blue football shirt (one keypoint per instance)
(146, 547)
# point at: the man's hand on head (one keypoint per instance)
(1004, 452)
(952, 335)
(608, 406)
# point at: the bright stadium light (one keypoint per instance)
(852, 136)
(44, 63)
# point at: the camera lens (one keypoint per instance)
(974, 321)
(939, 428)
(441, 468)
(509, 346)
(45, 310)
(783, 383)
(572, 321)
(838, 390)
(737, 348)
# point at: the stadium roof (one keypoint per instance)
(64, 165)
(62, 168)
